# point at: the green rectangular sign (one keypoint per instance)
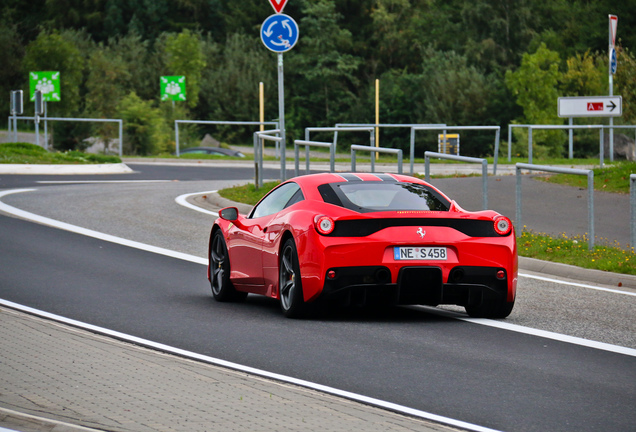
(48, 83)
(173, 88)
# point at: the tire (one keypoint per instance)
(222, 288)
(495, 309)
(290, 287)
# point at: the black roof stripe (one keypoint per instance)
(386, 177)
(350, 177)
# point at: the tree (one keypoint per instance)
(324, 75)
(55, 52)
(535, 86)
(184, 56)
(145, 131)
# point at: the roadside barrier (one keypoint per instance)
(355, 148)
(46, 119)
(259, 140)
(497, 130)
(307, 144)
(484, 170)
(632, 199)
(559, 170)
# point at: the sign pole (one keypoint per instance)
(281, 115)
(613, 20)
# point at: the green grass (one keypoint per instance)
(575, 251)
(247, 194)
(25, 153)
(610, 178)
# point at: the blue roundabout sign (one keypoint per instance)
(279, 33)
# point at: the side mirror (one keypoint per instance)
(229, 213)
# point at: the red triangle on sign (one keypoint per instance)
(278, 5)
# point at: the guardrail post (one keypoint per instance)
(484, 188)
(121, 137)
(590, 191)
(530, 145)
(353, 159)
(590, 207)
(632, 198)
(427, 168)
(601, 145)
(176, 137)
(519, 228)
(496, 158)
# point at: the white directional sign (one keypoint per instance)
(591, 106)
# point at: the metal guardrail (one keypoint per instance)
(355, 148)
(497, 130)
(392, 125)
(308, 144)
(45, 119)
(562, 127)
(590, 193)
(335, 131)
(632, 199)
(570, 127)
(484, 170)
(259, 138)
(215, 122)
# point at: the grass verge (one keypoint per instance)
(575, 251)
(610, 178)
(25, 153)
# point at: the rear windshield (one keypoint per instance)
(370, 196)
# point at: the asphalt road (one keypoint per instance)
(487, 376)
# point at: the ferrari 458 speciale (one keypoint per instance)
(358, 239)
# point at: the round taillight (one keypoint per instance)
(324, 225)
(503, 226)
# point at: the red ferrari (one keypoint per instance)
(357, 239)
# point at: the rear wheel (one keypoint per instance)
(491, 309)
(222, 288)
(290, 287)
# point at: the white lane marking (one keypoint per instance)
(532, 332)
(95, 234)
(580, 285)
(203, 261)
(101, 181)
(182, 200)
(247, 369)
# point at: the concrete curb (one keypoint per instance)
(36, 169)
(618, 280)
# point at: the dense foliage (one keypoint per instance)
(459, 62)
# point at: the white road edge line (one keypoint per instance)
(580, 285)
(235, 366)
(95, 234)
(182, 200)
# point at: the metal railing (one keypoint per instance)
(390, 125)
(214, 122)
(497, 130)
(335, 131)
(259, 139)
(632, 199)
(45, 119)
(308, 144)
(484, 170)
(355, 148)
(558, 170)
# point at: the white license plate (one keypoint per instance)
(420, 253)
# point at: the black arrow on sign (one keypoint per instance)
(613, 105)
